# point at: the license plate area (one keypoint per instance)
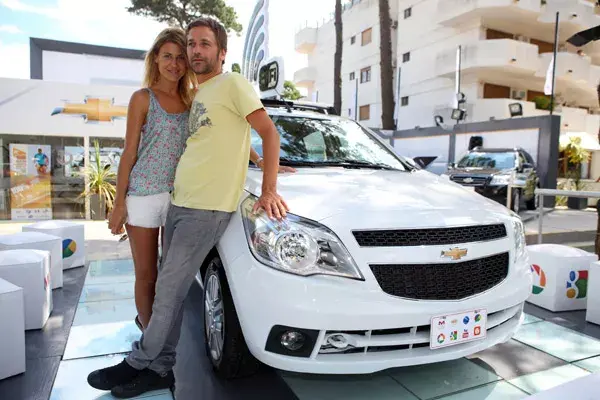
(453, 329)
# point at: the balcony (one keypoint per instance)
(458, 12)
(572, 119)
(571, 68)
(305, 77)
(306, 40)
(574, 15)
(504, 55)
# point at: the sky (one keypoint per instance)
(107, 23)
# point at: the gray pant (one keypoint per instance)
(189, 236)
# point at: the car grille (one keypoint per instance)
(429, 237)
(470, 180)
(446, 281)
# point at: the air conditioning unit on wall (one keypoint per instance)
(518, 94)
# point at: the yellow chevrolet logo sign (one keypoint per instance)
(93, 109)
(455, 253)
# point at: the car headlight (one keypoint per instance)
(500, 180)
(519, 233)
(296, 245)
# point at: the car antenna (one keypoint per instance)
(287, 104)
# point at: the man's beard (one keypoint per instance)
(207, 67)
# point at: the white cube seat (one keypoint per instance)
(39, 241)
(560, 276)
(12, 317)
(593, 304)
(73, 239)
(30, 269)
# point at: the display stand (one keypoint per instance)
(30, 269)
(12, 317)
(73, 239)
(593, 304)
(39, 241)
(560, 276)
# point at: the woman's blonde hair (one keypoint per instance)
(187, 83)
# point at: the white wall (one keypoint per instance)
(26, 107)
(91, 69)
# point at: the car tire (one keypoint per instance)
(235, 359)
(532, 204)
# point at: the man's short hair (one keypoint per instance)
(215, 26)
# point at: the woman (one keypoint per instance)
(157, 119)
(157, 130)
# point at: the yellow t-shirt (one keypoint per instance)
(212, 170)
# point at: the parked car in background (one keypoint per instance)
(490, 170)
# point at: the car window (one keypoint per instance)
(477, 159)
(306, 139)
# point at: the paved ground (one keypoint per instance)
(92, 326)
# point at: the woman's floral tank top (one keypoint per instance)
(162, 142)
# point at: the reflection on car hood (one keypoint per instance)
(478, 171)
(318, 193)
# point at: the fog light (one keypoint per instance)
(292, 340)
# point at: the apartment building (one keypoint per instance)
(506, 50)
(360, 66)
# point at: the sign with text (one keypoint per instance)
(30, 181)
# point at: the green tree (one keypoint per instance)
(182, 12)
(235, 67)
(290, 92)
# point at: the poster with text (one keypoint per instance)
(30, 181)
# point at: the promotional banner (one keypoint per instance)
(30, 178)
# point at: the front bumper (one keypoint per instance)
(394, 332)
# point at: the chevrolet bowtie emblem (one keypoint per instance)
(93, 109)
(455, 253)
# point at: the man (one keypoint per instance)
(40, 161)
(208, 185)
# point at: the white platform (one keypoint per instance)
(593, 305)
(30, 269)
(12, 317)
(73, 239)
(585, 388)
(39, 241)
(560, 276)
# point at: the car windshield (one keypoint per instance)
(314, 142)
(488, 160)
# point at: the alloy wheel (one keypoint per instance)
(214, 317)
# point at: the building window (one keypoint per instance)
(404, 101)
(406, 57)
(364, 113)
(408, 13)
(353, 40)
(365, 75)
(352, 77)
(366, 37)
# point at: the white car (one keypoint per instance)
(379, 264)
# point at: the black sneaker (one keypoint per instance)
(146, 381)
(108, 378)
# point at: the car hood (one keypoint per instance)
(319, 193)
(477, 171)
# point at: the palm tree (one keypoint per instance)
(337, 62)
(387, 72)
(99, 183)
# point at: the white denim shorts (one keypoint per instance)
(148, 211)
